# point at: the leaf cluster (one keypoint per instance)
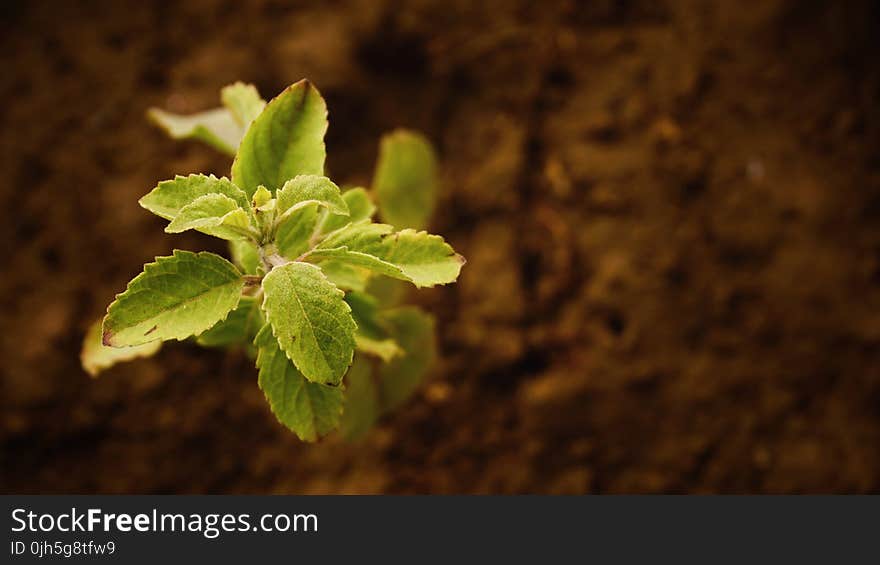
(305, 257)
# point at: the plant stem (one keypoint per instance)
(270, 257)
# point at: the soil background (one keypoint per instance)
(670, 212)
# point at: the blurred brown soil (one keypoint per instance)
(670, 212)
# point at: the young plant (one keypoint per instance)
(301, 291)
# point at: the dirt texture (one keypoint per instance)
(669, 209)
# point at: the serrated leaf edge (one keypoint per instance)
(340, 293)
(107, 335)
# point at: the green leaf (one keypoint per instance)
(96, 357)
(243, 102)
(286, 140)
(239, 327)
(385, 349)
(405, 179)
(171, 196)
(357, 259)
(372, 336)
(294, 235)
(388, 292)
(309, 409)
(261, 198)
(298, 203)
(361, 400)
(417, 257)
(173, 298)
(345, 276)
(360, 207)
(213, 214)
(362, 236)
(304, 190)
(413, 329)
(215, 127)
(423, 258)
(221, 128)
(365, 310)
(311, 320)
(245, 256)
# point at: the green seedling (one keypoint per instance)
(303, 292)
